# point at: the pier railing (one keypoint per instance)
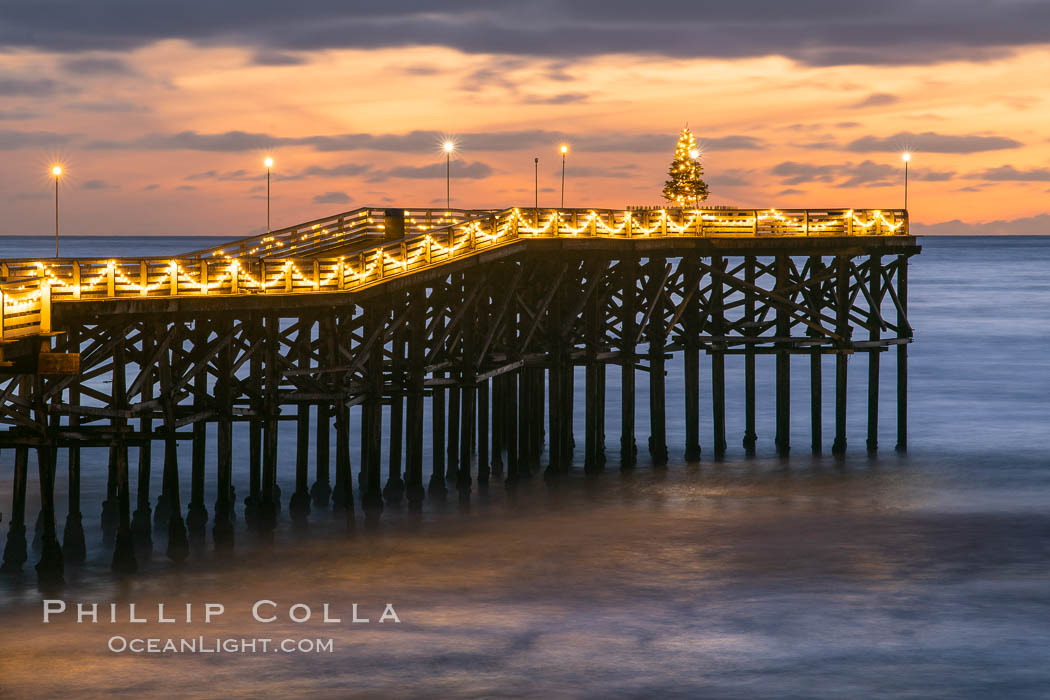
(346, 228)
(26, 306)
(431, 239)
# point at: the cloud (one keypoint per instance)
(794, 173)
(559, 99)
(1027, 226)
(789, 191)
(230, 141)
(278, 58)
(16, 114)
(616, 171)
(108, 106)
(14, 86)
(471, 171)
(186, 188)
(332, 198)
(98, 185)
(420, 70)
(867, 173)
(814, 32)
(12, 140)
(151, 187)
(930, 142)
(424, 141)
(1008, 173)
(240, 174)
(876, 99)
(345, 170)
(90, 66)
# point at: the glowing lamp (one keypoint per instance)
(694, 154)
(564, 150)
(905, 156)
(268, 162)
(57, 170)
(449, 146)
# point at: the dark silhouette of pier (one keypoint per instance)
(484, 314)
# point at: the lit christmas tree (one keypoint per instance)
(686, 186)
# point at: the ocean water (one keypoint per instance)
(925, 574)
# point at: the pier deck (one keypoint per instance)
(482, 313)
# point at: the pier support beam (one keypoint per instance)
(124, 561)
(178, 544)
(718, 361)
(299, 504)
(691, 323)
(783, 371)
(750, 431)
(874, 332)
(842, 306)
(594, 404)
(904, 330)
(394, 490)
(222, 531)
(141, 527)
(50, 570)
(372, 498)
(628, 325)
(815, 300)
(15, 550)
(417, 332)
(197, 514)
(74, 547)
(656, 337)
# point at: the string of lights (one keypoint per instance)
(503, 224)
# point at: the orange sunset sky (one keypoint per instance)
(162, 115)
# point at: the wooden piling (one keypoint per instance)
(73, 543)
(372, 498)
(904, 330)
(815, 300)
(197, 515)
(50, 569)
(178, 544)
(267, 520)
(141, 526)
(842, 306)
(299, 503)
(222, 531)
(874, 332)
(124, 561)
(718, 367)
(656, 338)
(628, 325)
(691, 358)
(783, 368)
(750, 431)
(417, 331)
(394, 490)
(15, 549)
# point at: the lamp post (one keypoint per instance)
(57, 172)
(449, 147)
(906, 157)
(564, 150)
(268, 162)
(536, 174)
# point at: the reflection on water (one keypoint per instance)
(922, 575)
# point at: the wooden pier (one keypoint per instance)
(483, 314)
